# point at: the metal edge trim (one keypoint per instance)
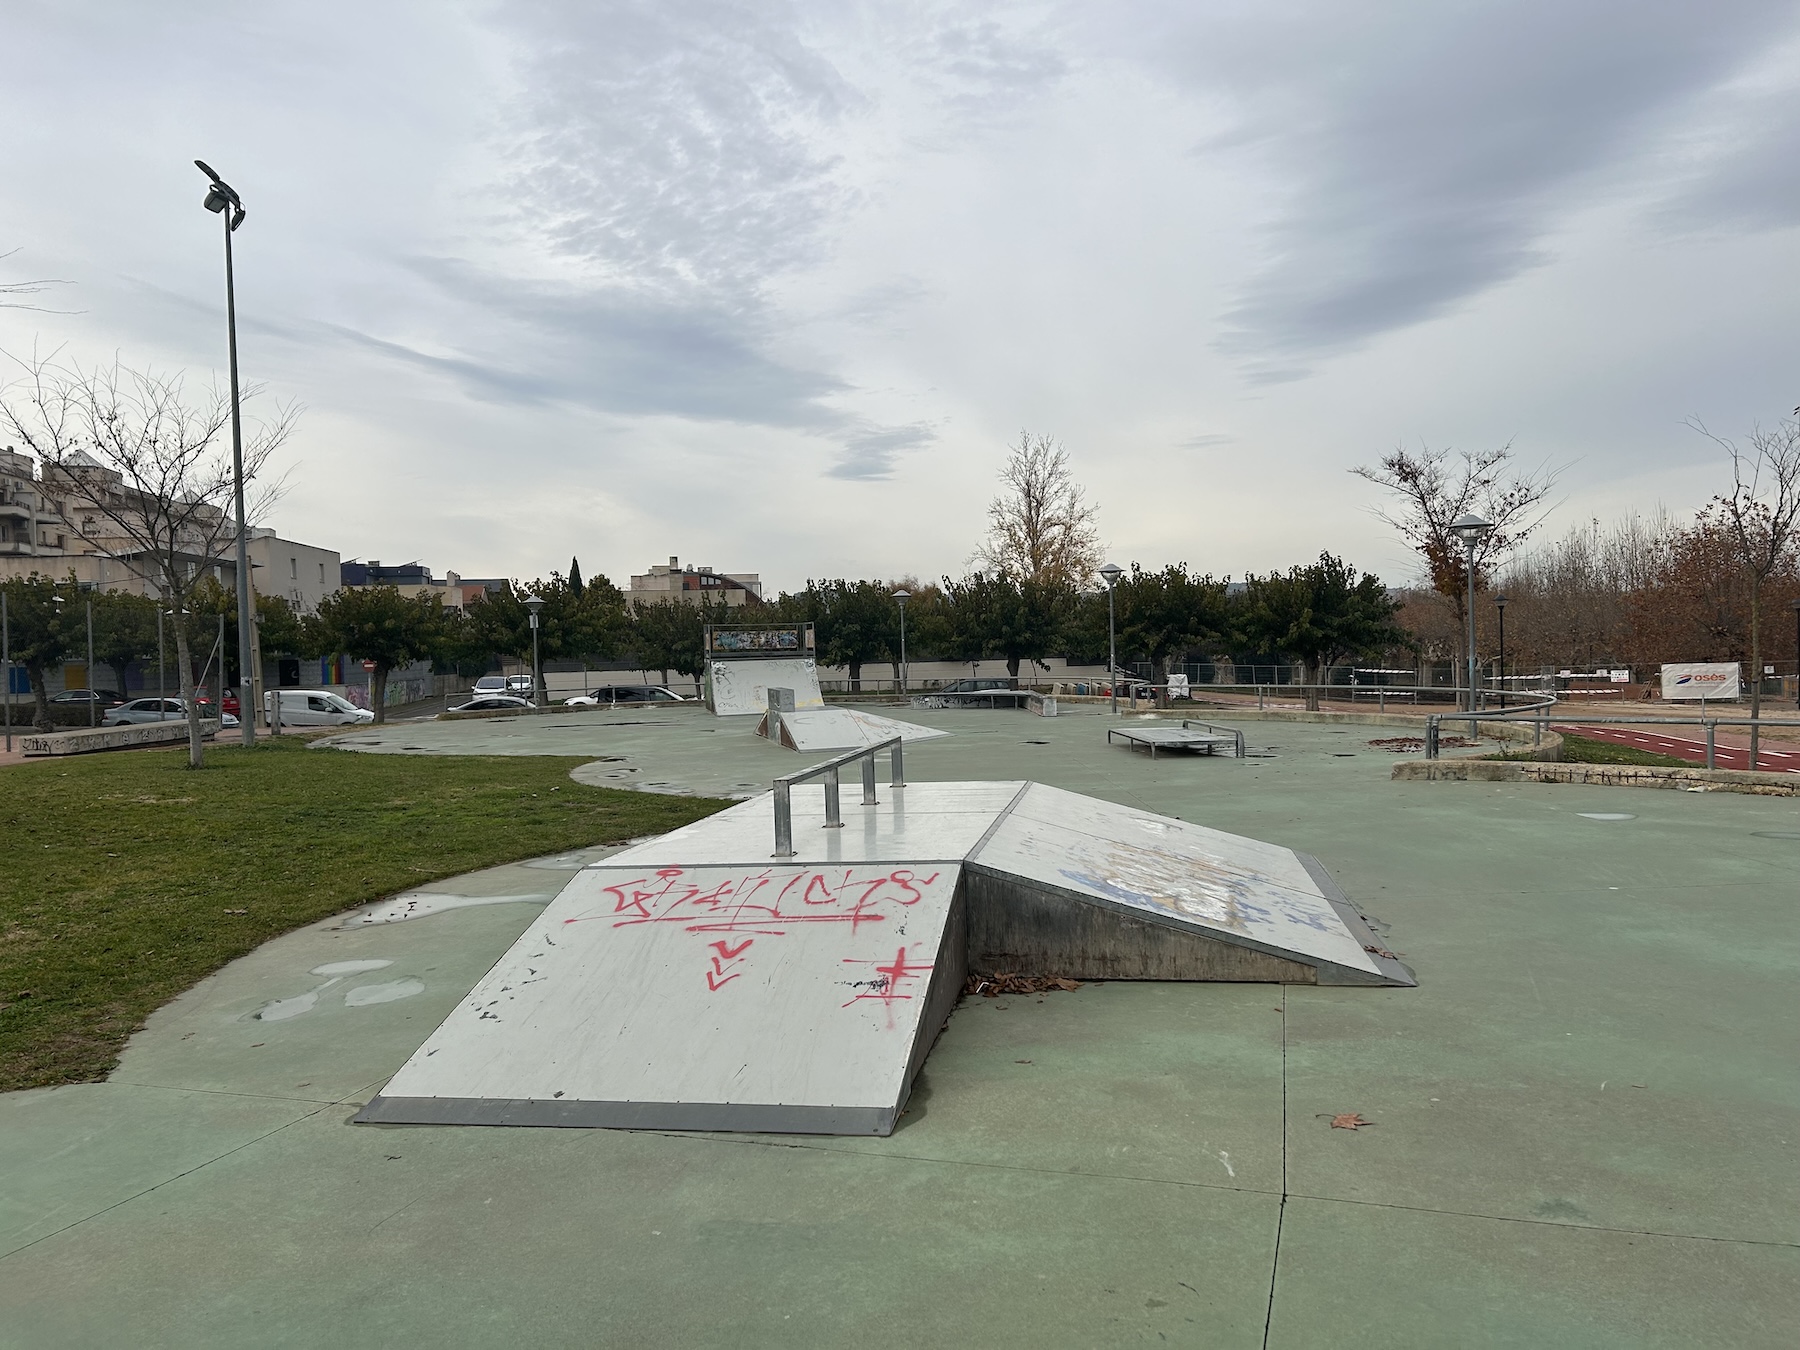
(737, 1118)
(1393, 970)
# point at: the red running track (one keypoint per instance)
(1694, 752)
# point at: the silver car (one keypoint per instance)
(141, 710)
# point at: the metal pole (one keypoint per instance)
(1711, 727)
(898, 776)
(537, 670)
(784, 821)
(162, 692)
(834, 816)
(905, 680)
(93, 693)
(248, 724)
(6, 664)
(1112, 652)
(868, 775)
(1471, 609)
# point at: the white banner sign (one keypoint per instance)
(1701, 679)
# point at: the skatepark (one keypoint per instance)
(1578, 1121)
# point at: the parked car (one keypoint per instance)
(313, 708)
(489, 684)
(614, 694)
(105, 698)
(230, 703)
(495, 703)
(141, 710)
(977, 686)
(519, 686)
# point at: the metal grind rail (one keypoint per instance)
(834, 820)
(1712, 724)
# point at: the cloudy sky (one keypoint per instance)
(770, 286)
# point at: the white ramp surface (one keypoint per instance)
(843, 729)
(1236, 888)
(696, 982)
(738, 688)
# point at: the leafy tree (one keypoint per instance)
(1162, 615)
(124, 631)
(42, 632)
(991, 615)
(854, 622)
(1041, 528)
(379, 624)
(281, 629)
(575, 577)
(573, 624)
(668, 635)
(1318, 614)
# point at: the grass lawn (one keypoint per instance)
(119, 872)
(1585, 750)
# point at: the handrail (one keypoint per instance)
(1187, 722)
(1712, 724)
(784, 807)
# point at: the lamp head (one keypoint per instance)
(1500, 600)
(901, 597)
(534, 604)
(1111, 574)
(1471, 528)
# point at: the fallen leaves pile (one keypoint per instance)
(1406, 745)
(1004, 982)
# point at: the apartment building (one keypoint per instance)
(694, 585)
(413, 578)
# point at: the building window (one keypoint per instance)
(294, 569)
(321, 574)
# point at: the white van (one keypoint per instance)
(313, 708)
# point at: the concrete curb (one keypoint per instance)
(87, 740)
(1599, 775)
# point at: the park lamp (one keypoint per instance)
(220, 195)
(1471, 529)
(1111, 573)
(533, 604)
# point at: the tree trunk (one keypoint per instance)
(855, 677)
(1012, 668)
(184, 663)
(40, 697)
(378, 691)
(1313, 672)
(119, 670)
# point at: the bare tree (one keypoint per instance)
(1041, 528)
(12, 288)
(1434, 492)
(147, 472)
(1760, 516)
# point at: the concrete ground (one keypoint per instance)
(1583, 1119)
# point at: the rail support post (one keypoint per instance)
(1431, 738)
(1711, 727)
(784, 821)
(834, 814)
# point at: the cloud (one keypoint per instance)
(870, 453)
(1422, 154)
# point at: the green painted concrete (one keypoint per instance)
(1585, 1116)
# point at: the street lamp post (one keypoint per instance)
(1500, 604)
(1471, 529)
(162, 689)
(218, 197)
(93, 693)
(900, 598)
(1110, 574)
(534, 604)
(6, 664)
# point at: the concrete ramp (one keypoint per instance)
(697, 982)
(736, 688)
(841, 729)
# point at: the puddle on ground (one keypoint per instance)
(417, 904)
(1605, 815)
(364, 995)
(282, 1009)
(349, 967)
